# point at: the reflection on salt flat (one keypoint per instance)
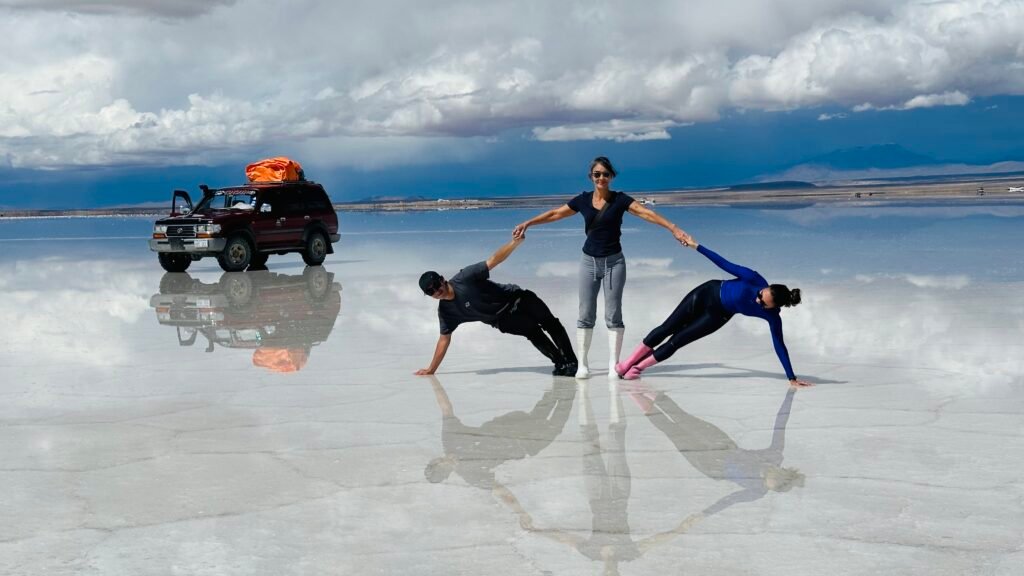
(280, 317)
(128, 449)
(475, 453)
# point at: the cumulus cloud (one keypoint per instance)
(617, 130)
(189, 81)
(955, 98)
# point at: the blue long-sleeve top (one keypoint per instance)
(739, 296)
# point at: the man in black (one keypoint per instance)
(470, 296)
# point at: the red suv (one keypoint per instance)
(243, 225)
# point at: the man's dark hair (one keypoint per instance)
(430, 281)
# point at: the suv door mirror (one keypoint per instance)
(186, 203)
(265, 208)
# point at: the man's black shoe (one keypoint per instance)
(565, 369)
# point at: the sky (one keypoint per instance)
(112, 102)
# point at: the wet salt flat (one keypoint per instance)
(269, 422)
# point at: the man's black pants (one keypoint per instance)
(529, 316)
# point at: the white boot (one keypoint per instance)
(583, 337)
(614, 349)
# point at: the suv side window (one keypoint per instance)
(316, 200)
(292, 201)
(274, 199)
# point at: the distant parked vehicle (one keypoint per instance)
(243, 225)
(1015, 189)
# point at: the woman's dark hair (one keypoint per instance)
(603, 161)
(783, 296)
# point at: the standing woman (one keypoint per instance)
(602, 260)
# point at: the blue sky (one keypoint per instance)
(495, 98)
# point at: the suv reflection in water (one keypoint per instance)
(280, 317)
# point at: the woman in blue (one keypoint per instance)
(602, 261)
(708, 307)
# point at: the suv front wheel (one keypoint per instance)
(316, 248)
(236, 255)
(174, 262)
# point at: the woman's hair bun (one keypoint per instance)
(794, 296)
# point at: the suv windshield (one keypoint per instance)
(228, 200)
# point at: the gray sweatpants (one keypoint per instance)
(611, 271)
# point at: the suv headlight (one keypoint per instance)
(208, 229)
(160, 229)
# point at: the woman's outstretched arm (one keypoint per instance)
(553, 215)
(736, 270)
(640, 211)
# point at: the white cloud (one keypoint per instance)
(617, 130)
(955, 98)
(826, 117)
(117, 82)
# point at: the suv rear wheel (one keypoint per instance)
(174, 262)
(236, 255)
(316, 248)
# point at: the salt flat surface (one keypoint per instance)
(269, 422)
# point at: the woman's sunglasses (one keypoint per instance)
(598, 174)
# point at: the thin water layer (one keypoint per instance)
(269, 422)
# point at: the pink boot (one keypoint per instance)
(641, 352)
(634, 372)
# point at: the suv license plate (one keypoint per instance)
(177, 244)
(202, 243)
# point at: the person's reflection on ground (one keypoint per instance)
(473, 452)
(607, 481)
(712, 452)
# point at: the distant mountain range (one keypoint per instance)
(883, 161)
(882, 157)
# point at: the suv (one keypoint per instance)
(243, 225)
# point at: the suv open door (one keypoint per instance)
(186, 205)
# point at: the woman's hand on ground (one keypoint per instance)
(798, 383)
(423, 372)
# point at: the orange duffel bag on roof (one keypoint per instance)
(274, 170)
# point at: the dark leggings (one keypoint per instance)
(529, 316)
(699, 314)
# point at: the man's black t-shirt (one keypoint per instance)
(477, 299)
(604, 227)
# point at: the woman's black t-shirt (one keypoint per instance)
(604, 227)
